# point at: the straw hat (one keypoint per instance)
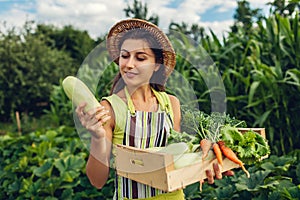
(117, 31)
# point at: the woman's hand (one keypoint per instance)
(218, 174)
(93, 120)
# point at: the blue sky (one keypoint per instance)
(97, 16)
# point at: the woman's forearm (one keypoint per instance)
(97, 168)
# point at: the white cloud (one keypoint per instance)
(94, 16)
(189, 11)
(220, 28)
(14, 18)
(97, 16)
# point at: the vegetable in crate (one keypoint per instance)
(250, 147)
(205, 145)
(232, 156)
(246, 148)
(183, 154)
(78, 92)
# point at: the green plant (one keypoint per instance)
(46, 164)
(275, 177)
(29, 68)
(60, 111)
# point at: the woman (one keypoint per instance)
(139, 112)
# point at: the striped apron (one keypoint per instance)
(142, 130)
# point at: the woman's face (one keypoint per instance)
(137, 62)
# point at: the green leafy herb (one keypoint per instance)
(250, 147)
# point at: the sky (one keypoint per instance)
(97, 16)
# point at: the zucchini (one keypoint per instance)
(78, 92)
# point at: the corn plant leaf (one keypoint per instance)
(261, 119)
(292, 77)
(252, 91)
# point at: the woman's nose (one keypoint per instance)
(130, 62)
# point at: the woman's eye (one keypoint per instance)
(141, 58)
(124, 56)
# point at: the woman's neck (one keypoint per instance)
(143, 98)
(143, 93)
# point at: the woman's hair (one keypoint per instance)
(159, 77)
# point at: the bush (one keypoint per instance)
(29, 68)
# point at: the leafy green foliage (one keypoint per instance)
(29, 68)
(270, 178)
(75, 42)
(250, 146)
(60, 111)
(46, 164)
(202, 124)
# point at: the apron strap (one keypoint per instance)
(163, 100)
(129, 102)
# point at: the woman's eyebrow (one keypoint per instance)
(138, 52)
(124, 50)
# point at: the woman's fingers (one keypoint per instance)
(217, 173)
(104, 119)
(101, 114)
(217, 170)
(210, 177)
(94, 119)
(228, 173)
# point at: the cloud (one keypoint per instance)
(97, 16)
(189, 11)
(14, 18)
(220, 28)
(94, 16)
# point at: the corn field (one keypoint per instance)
(261, 75)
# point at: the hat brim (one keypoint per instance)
(117, 31)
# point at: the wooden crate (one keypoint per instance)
(157, 169)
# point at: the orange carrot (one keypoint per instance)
(232, 156)
(205, 145)
(218, 153)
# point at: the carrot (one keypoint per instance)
(218, 153)
(232, 156)
(205, 145)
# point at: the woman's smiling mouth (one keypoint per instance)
(130, 74)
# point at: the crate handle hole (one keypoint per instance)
(137, 162)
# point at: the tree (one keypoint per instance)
(285, 8)
(140, 11)
(195, 32)
(76, 42)
(28, 69)
(245, 16)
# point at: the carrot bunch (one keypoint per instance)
(206, 145)
(232, 156)
(221, 149)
